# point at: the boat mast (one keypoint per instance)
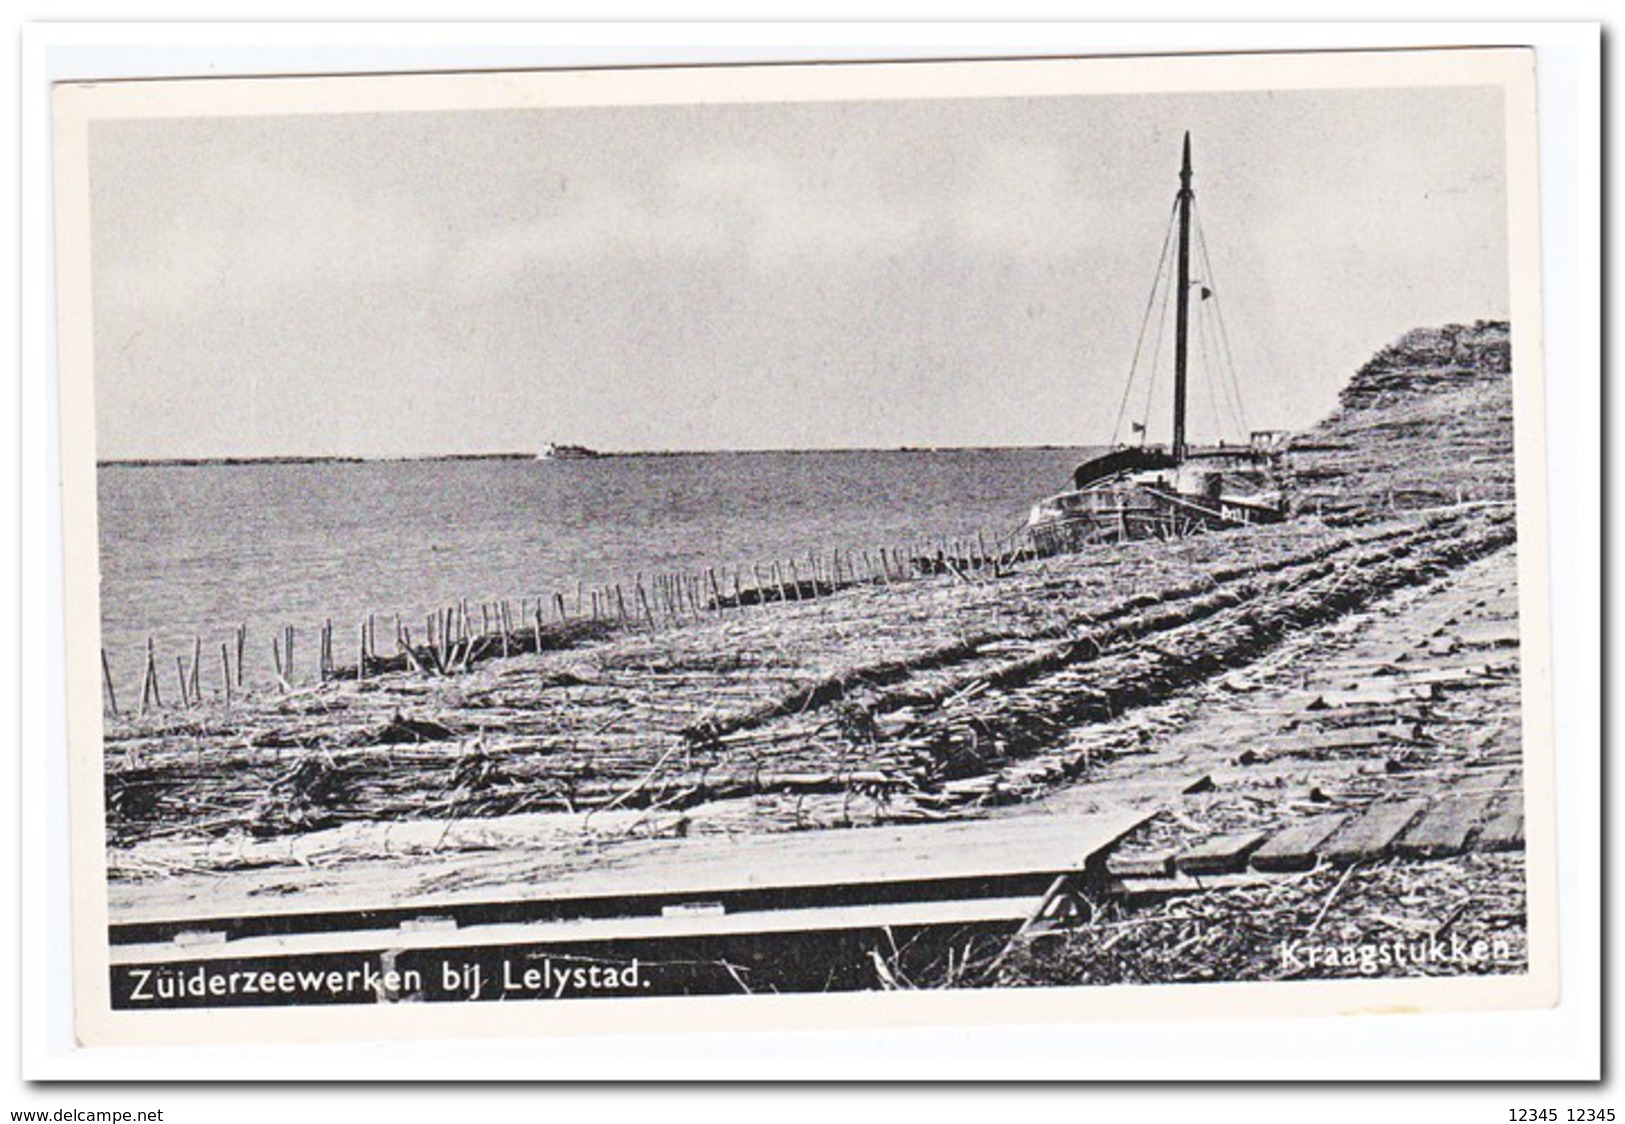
(1183, 307)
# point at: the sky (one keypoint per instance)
(779, 275)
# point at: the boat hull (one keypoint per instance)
(1128, 512)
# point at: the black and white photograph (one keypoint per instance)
(547, 547)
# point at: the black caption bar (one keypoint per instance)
(842, 960)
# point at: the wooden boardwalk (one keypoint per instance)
(680, 884)
(1466, 817)
(1368, 706)
(811, 911)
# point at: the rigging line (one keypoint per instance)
(1233, 380)
(1233, 373)
(1230, 381)
(1145, 321)
(1233, 384)
(1210, 372)
(1224, 331)
(1156, 350)
(1231, 408)
(1212, 358)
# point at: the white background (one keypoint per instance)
(1558, 1044)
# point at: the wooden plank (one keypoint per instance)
(1466, 673)
(1485, 662)
(1347, 737)
(693, 923)
(1221, 855)
(1373, 832)
(1344, 671)
(1295, 847)
(1376, 715)
(1503, 831)
(1138, 891)
(1487, 634)
(851, 863)
(1152, 864)
(1376, 694)
(1443, 829)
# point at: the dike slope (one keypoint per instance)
(1426, 422)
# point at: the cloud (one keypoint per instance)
(751, 211)
(1021, 200)
(584, 228)
(247, 231)
(732, 210)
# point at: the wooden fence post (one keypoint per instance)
(149, 681)
(107, 681)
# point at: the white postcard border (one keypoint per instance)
(1371, 994)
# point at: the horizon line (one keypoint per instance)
(343, 458)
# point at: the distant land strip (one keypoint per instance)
(183, 462)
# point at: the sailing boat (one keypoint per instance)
(1154, 491)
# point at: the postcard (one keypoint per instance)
(569, 551)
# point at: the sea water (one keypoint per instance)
(193, 551)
